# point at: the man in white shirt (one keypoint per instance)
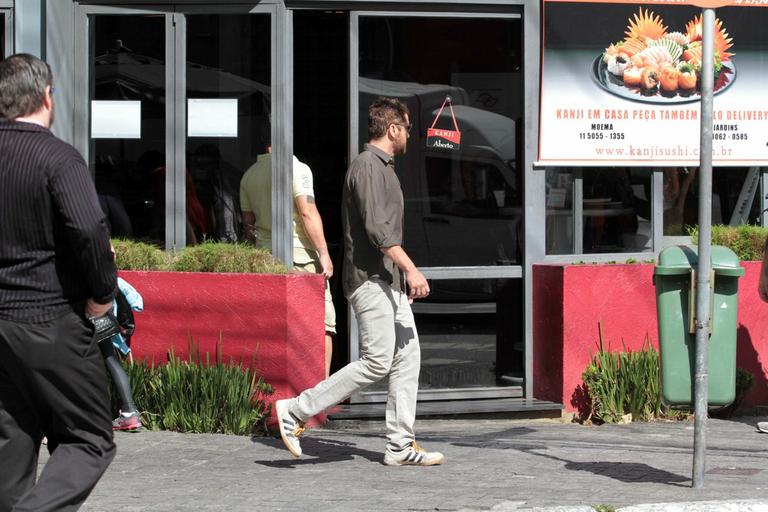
(310, 250)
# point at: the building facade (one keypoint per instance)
(171, 102)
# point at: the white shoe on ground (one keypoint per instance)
(413, 455)
(290, 427)
(763, 426)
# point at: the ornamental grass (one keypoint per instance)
(747, 241)
(200, 393)
(205, 257)
(626, 386)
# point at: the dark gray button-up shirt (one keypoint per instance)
(372, 215)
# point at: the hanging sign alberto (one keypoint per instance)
(441, 138)
(621, 83)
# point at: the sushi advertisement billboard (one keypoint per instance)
(620, 83)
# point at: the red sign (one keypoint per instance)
(444, 139)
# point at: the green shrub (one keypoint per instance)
(197, 394)
(224, 257)
(133, 255)
(205, 257)
(624, 382)
(620, 383)
(748, 242)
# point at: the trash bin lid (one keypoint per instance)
(725, 262)
(680, 259)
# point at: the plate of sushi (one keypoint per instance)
(654, 65)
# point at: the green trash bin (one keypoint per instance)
(674, 278)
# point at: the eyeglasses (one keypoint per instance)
(406, 126)
(51, 90)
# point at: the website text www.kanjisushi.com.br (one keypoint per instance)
(658, 151)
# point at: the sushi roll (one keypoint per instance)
(617, 64)
(668, 78)
(649, 78)
(687, 79)
(632, 76)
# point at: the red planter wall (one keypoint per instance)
(273, 323)
(570, 300)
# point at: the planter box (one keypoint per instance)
(273, 323)
(570, 300)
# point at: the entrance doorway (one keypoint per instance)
(464, 205)
(464, 208)
(320, 133)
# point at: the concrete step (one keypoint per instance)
(446, 408)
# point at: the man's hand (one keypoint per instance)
(418, 287)
(94, 309)
(326, 265)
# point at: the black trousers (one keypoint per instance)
(52, 383)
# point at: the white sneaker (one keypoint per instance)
(290, 427)
(763, 426)
(412, 455)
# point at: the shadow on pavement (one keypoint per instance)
(630, 472)
(317, 451)
(622, 471)
(498, 439)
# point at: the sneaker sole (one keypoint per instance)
(123, 429)
(392, 462)
(280, 409)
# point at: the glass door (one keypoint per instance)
(128, 125)
(176, 97)
(228, 70)
(464, 199)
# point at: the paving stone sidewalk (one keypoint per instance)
(499, 465)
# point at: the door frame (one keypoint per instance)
(175, 82)
(510, 11)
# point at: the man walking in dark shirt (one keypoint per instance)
(376, 272)
(56, 270)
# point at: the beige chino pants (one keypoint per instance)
(389, 346)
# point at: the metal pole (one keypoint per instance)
(704, 264)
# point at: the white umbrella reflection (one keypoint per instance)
(121, 74)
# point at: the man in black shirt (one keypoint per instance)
(380, 282)
(56, 270)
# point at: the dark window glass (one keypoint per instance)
(735, 197)
(228, 59)
(616, 211)
(475, 191)
(2, 36)
(320, 133)
(128, 65)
